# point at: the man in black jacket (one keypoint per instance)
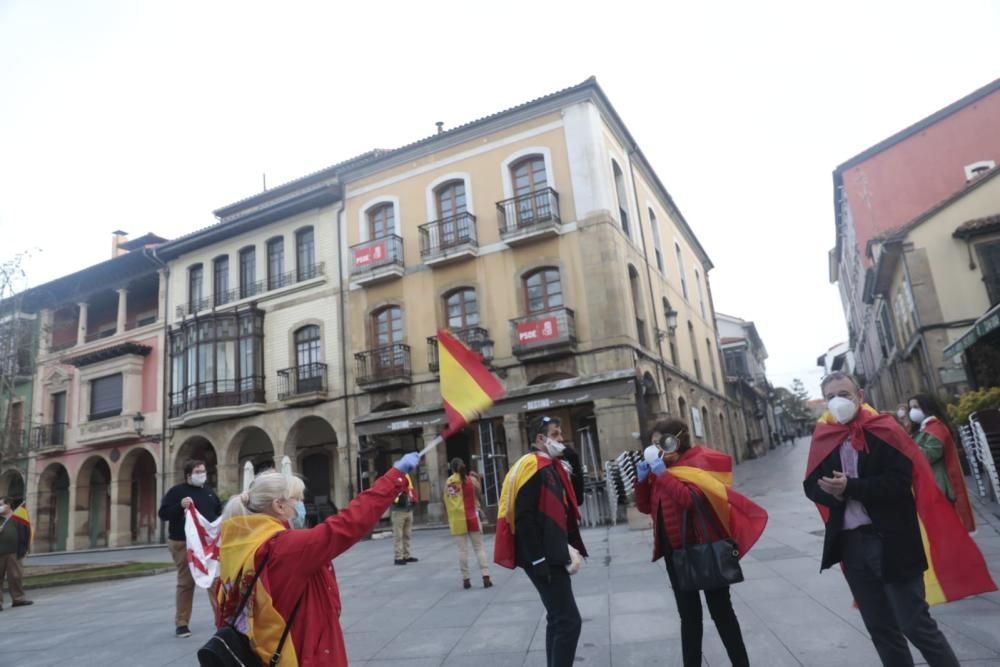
(543, 544)
(175, 502)
(14, 540)
(872, 528)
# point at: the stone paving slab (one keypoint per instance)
(419, 616)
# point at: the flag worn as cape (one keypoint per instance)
(526, 467)
(239, 539)
(953, 468)
(955, 566)
(22, 517)
(460, 501)
(202, 546)
(467, 387)
(712, 472)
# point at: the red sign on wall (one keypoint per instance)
(371, 254)
(537, 331)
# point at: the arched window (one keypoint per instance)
(461, 308)
(381, 221)
(654, 226)
(543, 290)
(305, 254)
(451, 209)
(711, 363)
(640, 323)
(694, 351)
(705, 425)
(670, 333)
(308, 360)
(680, 270)
(196, 288)
(276, 263)
(530, 185)
(220, 280)
(620, 195)
(387, 338)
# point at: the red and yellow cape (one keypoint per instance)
(953, 468)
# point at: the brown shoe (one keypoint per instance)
(486, 581)
(22, 603)
(466, 583)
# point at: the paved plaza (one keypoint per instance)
(419, 616)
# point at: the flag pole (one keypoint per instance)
(433, 443)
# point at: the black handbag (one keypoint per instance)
(231, 648)
(705, 567)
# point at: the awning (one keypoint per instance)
(986, 324)
(561, 393)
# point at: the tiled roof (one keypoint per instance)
(977, 226)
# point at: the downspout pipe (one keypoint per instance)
(165, 380)
(342, 325)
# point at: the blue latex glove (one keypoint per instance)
(641, 471)
(408, 463)
(658, 467)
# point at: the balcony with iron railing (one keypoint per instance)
(49, 437)
(377, 260)
(544, 334)
(449, 239)
(476, 339)
(247, 391)
(253, 289)
(301, 384)
(385, 366)
(529, 217)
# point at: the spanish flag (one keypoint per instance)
(467, 387)
(953, 468)
(712, 472)
(955, 566)
(22, 517)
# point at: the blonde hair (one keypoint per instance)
(264, 490)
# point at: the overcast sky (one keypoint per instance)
(146, 116)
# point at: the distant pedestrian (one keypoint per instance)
(463, 520)
(15, 538)
(903, 417)
(876, 493)
(538, 529)
(297, 588)
(936, 442)
(401, 516)
(667, 489)
(194, 490)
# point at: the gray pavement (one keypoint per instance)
(418, 615)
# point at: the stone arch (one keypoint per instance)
(197, 447)
(12, 484)
(250, 444)
(312, 446)
(51, 512)
(651, 395)
(92, 504)
(136, 498)
(706, 424)
(682, 413)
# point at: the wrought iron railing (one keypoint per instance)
(389, 362)
(377, 253)
(217, 394)
(299, 380)
(476, 338)
(543, 330)
(255, 288)
(49, 436)
(524, 212)
(442, 235)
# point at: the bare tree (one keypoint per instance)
(17, 343)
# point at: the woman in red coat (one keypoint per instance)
(666, 498)
(296, 565)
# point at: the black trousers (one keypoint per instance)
(892, 611)
(720, 607)
(562, 618)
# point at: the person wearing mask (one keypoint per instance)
(538, 529)
(401, 516)
(193, 491)
(297, 587)
(666, 493)
(903, 417)
(934, 438)
(15, 538)
(461, 490)
(871, 483)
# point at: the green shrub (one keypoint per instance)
(971, 401)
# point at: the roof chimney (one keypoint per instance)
(440, 125)
(117, 238)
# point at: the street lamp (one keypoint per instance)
(671, 325)
(138, 421)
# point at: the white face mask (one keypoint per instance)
(917, 416)
(901, 413)
(199, 479)
(651, 454)
(555, 449)
(842, 409)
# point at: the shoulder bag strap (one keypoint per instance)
(284, 635)
(246, 596)
(700, 509)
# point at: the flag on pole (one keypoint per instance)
(202, 546)
(22, 517)
(467, 387)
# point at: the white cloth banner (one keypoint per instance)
(202, 546)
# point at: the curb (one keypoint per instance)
(101, 579)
